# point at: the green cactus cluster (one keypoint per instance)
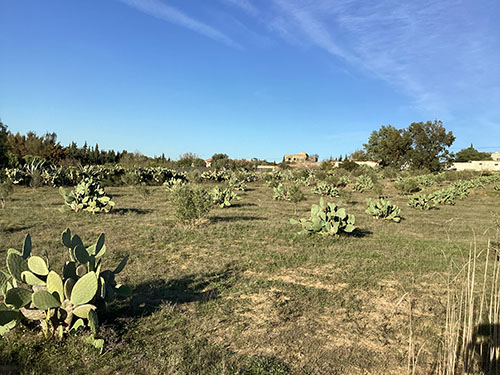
(383, 209)
(421, 201)
(174, 184)
(217, 175)
(237, 183)
(88, 196)
(223, 197)
(327, 219)
(326, 190)
(60, 303)
(363, 182)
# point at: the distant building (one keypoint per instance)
(301, 157)
(478, 165)
(266, 168)
(369, 163)
(208, 163)
(492, 165)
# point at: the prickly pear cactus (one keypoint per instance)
(173, 184)
(223, 197)
(383, 209)
(326, 190)
(421, 201)
(88, 196)
(327, 219)
(60, 304)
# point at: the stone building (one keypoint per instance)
(301, 157)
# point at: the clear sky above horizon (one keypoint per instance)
(249, 78)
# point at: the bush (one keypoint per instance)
(6, 189)
(284, 192)
(349, 165)
(407, 185)
(191, 204)
(60, 304)
(363, 182)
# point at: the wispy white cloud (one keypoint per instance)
(437, 52)
(245, 5)
(302, 17)
(158, 9)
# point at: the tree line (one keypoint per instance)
(422, 145)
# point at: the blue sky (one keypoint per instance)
(250, 78)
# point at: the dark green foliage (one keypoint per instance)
(429, 145)
(470, 153)
(389, 145)
(349, 165)
(407, 185)
(4, 158)
(421, 145)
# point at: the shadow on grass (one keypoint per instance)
(360, 233)
(217, 219)
(151, 295)
(124, 211)
(17, 229)
(243, 205)
(484, 348)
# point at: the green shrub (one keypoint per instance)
(383, 209)
(327, 219)
(191, 204)
(6, 189)
(407, 185)
(284, 192)
(363, 182)
(295, 194)
(60, 303)
(88, 196)
(349, 165)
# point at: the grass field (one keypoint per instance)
(245, 294)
